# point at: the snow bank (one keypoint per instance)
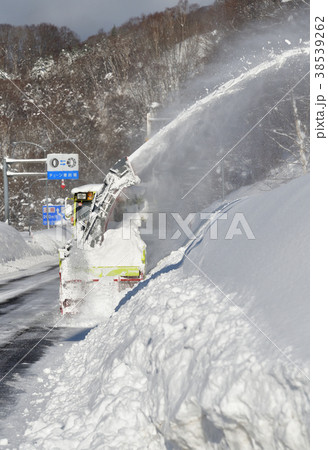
(12, 244)
(181, 368)
(50, 240)
(178, 365)
(271, 271)
(18, 251)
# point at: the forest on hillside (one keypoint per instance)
(65, 95)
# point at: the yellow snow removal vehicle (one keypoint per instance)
(107, 246)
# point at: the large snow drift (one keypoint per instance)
(179, 365)
(262, 253)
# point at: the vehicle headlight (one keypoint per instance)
(81, 196)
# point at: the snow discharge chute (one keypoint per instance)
(99, 251)
(119, 177)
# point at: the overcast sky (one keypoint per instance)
(85, 17)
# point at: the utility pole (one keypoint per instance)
(222, 170)
(6, 191)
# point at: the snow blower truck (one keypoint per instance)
(105, 248)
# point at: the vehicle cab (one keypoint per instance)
(82, 197)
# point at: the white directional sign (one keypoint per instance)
(62, 166)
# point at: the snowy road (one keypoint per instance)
(14, 288)
(28, 312)
(26, 301)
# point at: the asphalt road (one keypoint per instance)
(29, 315)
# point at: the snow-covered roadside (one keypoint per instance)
(23, 255)
(26, 266)
(178, 365)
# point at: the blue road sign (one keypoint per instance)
(55, 213)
